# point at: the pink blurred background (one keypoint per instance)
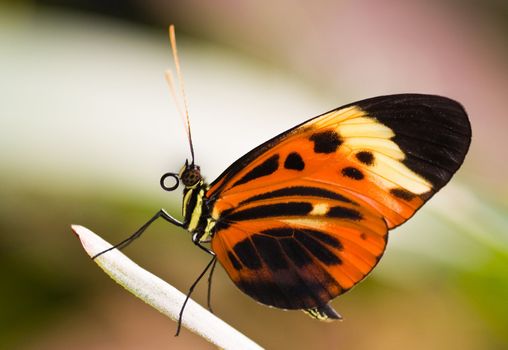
(91, 127)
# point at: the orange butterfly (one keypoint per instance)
(305, 216)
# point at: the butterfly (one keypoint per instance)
(305, 216)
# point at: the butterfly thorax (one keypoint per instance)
(195, 210)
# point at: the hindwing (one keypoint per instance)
(299, 251)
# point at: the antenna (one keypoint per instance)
(169, 78)
(171, 83)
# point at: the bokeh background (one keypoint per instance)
(87, 127)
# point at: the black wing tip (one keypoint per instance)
(437, 103)
(440, 122)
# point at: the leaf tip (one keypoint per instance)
(75, 229)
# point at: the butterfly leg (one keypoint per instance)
(160, 214)
(196, 241)
(209, 292)
(191, 289)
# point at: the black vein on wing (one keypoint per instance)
(270, 210)
(296, 292)
(301, 191)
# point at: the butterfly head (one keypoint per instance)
(190, 175)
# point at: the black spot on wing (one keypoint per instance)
(300, 191)
(246, 252)
(326, 141)
(234, 261)
(271, 210)
(402, 193)
(344, 213)
(294, 162)
(268, 167)
(433, 132)
(317, 249)
(270, 251)
(365, 157)
(352, 173)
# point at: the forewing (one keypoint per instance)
(394, 152)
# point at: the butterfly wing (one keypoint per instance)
(320, 187)
(298, 251)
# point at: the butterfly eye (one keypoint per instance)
(163, 181)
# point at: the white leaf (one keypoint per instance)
(159, 294)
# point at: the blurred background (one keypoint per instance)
(87, 127)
